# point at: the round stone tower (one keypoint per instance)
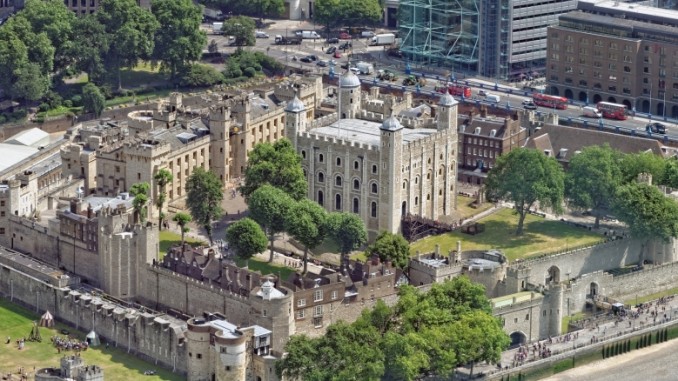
(349, 95)
(230, 354)
(198, 347)
(295, 119)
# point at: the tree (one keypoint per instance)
(246, 238)
(213, 47)
(391, 247)
(644, 162)
(203, 198)
(242, 29)
(162, 178)
(348, 230)
(140, 191)
(277, 164)
(93, 99)
(90, 47)
(178, 40)
(592, 179)
(266, 8)
(25, 61)
(670, 176)
(271, 208)
(526, 177)
(131, 30)
(307, 223)
(182, 219)
(335, 13)
(647, 211)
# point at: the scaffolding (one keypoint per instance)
(442, 32)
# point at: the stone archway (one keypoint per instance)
(553, 275)
(645, 106)
(660, 109)
(612, 99)
(597, 98)
(569, 94)
(403, 210)
(583, 97)
(674, 112)
(554, 90)
(628, 104)
(593, 290)
(517, 338)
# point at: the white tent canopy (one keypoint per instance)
(93, 339)
(47, 320)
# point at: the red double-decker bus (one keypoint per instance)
(459, 91)
(612, 110)
(550, 101)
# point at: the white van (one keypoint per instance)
(494, 98)
(310, 34)
(592, 112)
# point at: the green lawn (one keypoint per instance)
(567, 319)
(266, 268)
(169, 239)
(540, 237)
(465, 209)
(651, 297)
(16, 322)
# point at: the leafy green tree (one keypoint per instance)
(592, 179)
(131, 30)
(277, 164)
(271, 208)
(199, 75)
(647, 211)
(203, 198)
(643, 162)
(56, 21)
(140, 191)
(246, 238)
(347, 230)
(266, 8)
(526, 177)
(93, 99)
(31, 84)
(182, 219)
(213, 47)
(391, 247)
(670, 176)
(242, 29)
(26, 60)
(336, 13)
(162, 178)
(90, 47)
(178, 40)
(308, 225)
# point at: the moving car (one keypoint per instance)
(337, 54)
(529, 105)
(331, 50)
(656, 128)
(344, 36)
(305, 59)
(260, 34)
(332, 40)
(321, 63)
(345, 45)
(355, 70)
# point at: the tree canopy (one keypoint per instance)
(526, 177)
(140, 191)
(335, 13)
(182, 219)
(246, 238)
(179, 40)
(348, 231)
(242, 29)
(644, 162)
(307, 223)
(592, 179)
(647, 211)
(93, 99)
(277, 164)
(203, 198)
(424, 333)
(391, 247)
(271, 208)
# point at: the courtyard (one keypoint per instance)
(16, 322)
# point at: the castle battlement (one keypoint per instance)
(147, 149)
(208, 286)
(324, 121)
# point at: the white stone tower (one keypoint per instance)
(349, 96)
(447, 113)
(391, 153)
(220, 126)
(230, 354)
(198, 348)
(447, 182)
(295, 119)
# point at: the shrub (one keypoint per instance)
(53, 99)
(43, 107)
(250, 72)
(201, 75)
(76, 100)
(68, 103)
(3, 119)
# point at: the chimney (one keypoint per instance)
(483, 111)
(90, 211)
(74, 206)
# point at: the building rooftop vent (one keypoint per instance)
(493, 133)
(477, 131)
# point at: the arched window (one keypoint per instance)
(374, 188)
(356, 184)
(303, 154)
(374, 169)
(337, 201)
(356, 205)
(337, 181)
(356, 165)
(373, 209)
(321, 198)
(321, 158)
(404, 184)
(305, 174)
(416, 201)
(321, 177)
(338, 161)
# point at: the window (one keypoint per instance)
(321, 158)
(373, 211)
(356, 165)
(301, 302)
(317, 295)
(627, 69)
(2, 230)
(337, 181)
(356, 205)
(321, 177)
(301, 314)
(321, 198)
(338, 162)
(198, 356)
(334, 295)
(318, 310)
(374, 188)
(374, 169)
(337, 202)
(317, 322)
(303, 154)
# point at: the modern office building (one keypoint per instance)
(616, 52)
(503, 39)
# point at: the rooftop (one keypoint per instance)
(366, 132)
(13, 154)
(46, 165)
(655, 14)
(33, 137)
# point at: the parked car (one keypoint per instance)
(331, 50)
(355, 70)
(482, 93)
(321, 63)
(344, 36)
(305, 59)
(344, 66)
(656, 128)
(395, 53)
(367, 33)
(260, 34)
(332, 40)
(337, 54)
(312, 57)
(345, 45)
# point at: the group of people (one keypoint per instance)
(67, 344)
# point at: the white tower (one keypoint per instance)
(295, 119)
(349, 96)
(447, 113)
(391, 152)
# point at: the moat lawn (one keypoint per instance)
(540, 236)
(169, 238)
(17, 322)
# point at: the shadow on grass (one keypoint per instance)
(265, 268)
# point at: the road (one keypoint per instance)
(511, 97)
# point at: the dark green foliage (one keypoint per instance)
(277, 164)
(201, 76)
(391, 247)
(203, 198)
(246, 238)
(93, 99)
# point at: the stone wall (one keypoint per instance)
(29, 237)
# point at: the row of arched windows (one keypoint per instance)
(338, 181)
(338, 204)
